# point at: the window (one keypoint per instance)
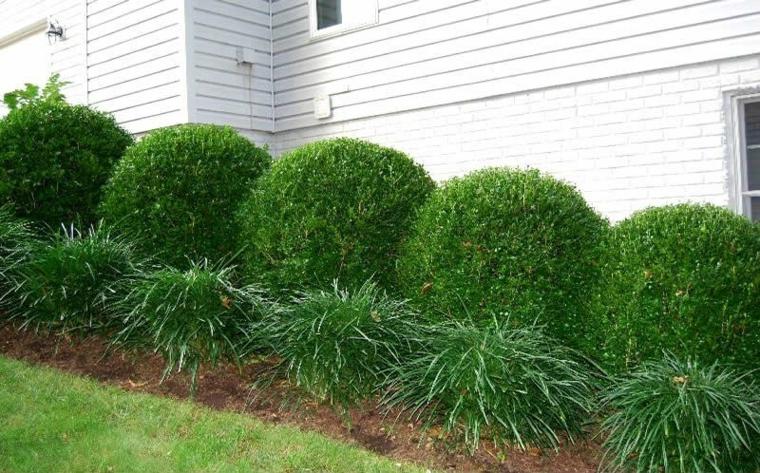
(749, 167)
(329, 17)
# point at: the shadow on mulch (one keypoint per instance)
(228, 388)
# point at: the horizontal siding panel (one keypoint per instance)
(241, 122)
(167, 105)
(475, 68)
(96, 19)
(224, 91)
(423, 53)
(163, 64)
(146, 95)
(151, 54)
(572, 74)
(236, 26)
(105, 92)
(134, 60)
(572, 30)
(126, 37)
(165, 117)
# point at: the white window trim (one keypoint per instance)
(741, 196)
(317, 34)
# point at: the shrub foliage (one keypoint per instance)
(55, 159)
(338, 345)
(179, 187)
(673, 416)
(189, 317)
(511, 243)
(514, 385)
(335, 209)
(682, 278)
(70, 282)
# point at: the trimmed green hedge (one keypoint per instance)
(55, 158)
(684, 278)
(335, 209)
(519, 245)
(178, 189)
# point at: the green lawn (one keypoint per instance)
(55, 422)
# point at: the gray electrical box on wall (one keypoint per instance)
(244, 55)
(322, 106)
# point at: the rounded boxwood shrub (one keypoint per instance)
(507, 243)
(178, 189)
(71, 282)
(685, 278)
(513, 385)
(189, 317)
(677, 416)
(335, 209)
(55, 159)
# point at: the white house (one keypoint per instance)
(637, 102)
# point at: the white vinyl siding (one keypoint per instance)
(65, 57)
(222, 90)
(135, 53)
(424, 53)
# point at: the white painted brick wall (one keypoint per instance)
(626, 143)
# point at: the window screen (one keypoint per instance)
(752, 141)
(328, 13)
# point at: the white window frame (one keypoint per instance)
(742, 195)
(345, 26)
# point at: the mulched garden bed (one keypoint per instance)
(226, 388)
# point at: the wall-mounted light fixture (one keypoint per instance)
(54, 32)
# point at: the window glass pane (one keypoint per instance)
(755, 209)
(753, 169)
(328, 13)
(752, 123)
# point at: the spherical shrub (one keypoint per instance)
(511, 243)
(55, 158)
(179, 187)
(513, 385)
(337, 345)
(682, 278)
(335, 209)
(674, 416)
(189, 317)
(70, 282)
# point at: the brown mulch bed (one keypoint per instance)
(226, 388)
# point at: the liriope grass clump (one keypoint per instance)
(16, 241)
(676, 416)
(514, 386)
(70, 281)
(190, 317)
(338, 345)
